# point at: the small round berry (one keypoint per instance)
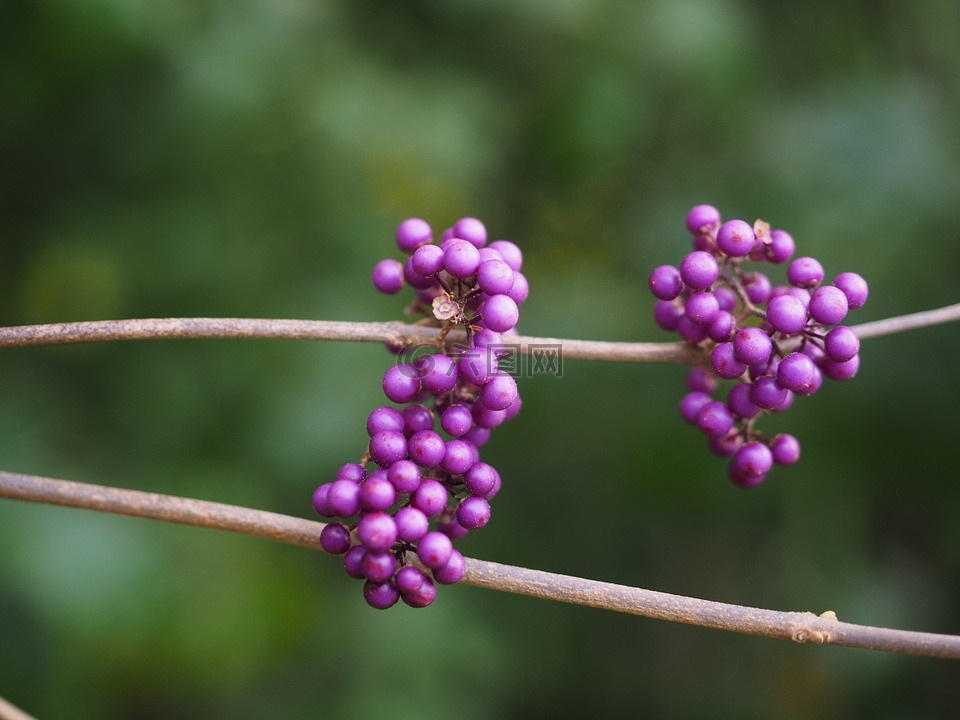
(854, 287)
(767, 394)
(387, 446)
(413, 233)
(700, 380)
(500, 392)
(715, 419)
(335, 538)
(724, 362)
(438, 373)
(453, 571)
(409, 579)
(415, 279)
(841, 344)
(481, 479)
(699, 270)
(384, 418)
(378, 565)
(690, 331)
(343, 498)
(477, 365)
(510, 253)
(805, 272)
(781, 247)
(786, 314)
(404, 475)
(667, 315)
(320, 500)
(387, 276)
(785, 449)
(757, 286)
(828, 305)
(750, 464)
(461, 259)
(416, 418)
(423, 596)
(473, 512)
(840, 370)
(401, 383)
(702, 308)
(377, 492)
(456, 420)
(471, 230)
(352, 471)
(752, 346)
(740, 403)
(500, 313)
(702, 218)
(426, 448)
(521, 288)
(665, 282)
(459, 457)
(726, 445)
(380, 595)
(736, 238)
(412, 524)
(377, 531)
(430, 498)
(495, 277)
(722, 327)
(352, 560)
(798, 373)
(434, 550)
(427, 260)
(691, 404)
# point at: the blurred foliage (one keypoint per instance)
(252, 158)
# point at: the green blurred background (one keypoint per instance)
(246, 158)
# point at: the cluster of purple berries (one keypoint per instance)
(776, 342)
(428, 486)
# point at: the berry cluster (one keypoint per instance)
(776, 342)
(423, 474)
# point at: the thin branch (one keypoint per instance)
(799, 627)
(395, 333)
(12, 712)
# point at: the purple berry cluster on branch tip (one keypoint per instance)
(774, 342)
(427, 486)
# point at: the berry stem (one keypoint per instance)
(801, 627)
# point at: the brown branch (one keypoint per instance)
(799, 627)
(398, 333)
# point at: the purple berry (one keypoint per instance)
(416, 418)
(722, 327)
(434, 550)
(500, 392)
(471, 230)
(413, 233)
(699, 270)
(781, 247)
(335, 538)
(805, 272)
(377, 531)
(752, 346)
(401, 383)
(423, 596)
(438, 373)
(726, 445)
(481, 479)
(521, 288)
(387, 446)
(343, 498)
(427, 260)
(387, 276)
(750, 464)
(500, 313)
(473, 512)
(700, 380)
(691, 405)
(412, 524)
(715, 419)
(461, 259)
(724, 362)
(456, 420)
(409, 579)
(377, 492)
(404, 475)
(320, 500)
(736, 238)
(430, 498)
(426, 448)
(378, 565)
(798, 373)
(665, 282)
(702, 308)
(459, 457)
(667, 315)
(702, 218)
(757, 286)
(854, 287)
(453, 571)
(380, 595)
(510, 253)
(352, 471)
(841, 344)
(495, 277)
(384, 418)
(740, 403)
(840, 370)
(828, 305)
(352, 560)
(767, 394)
(690, 331)
(785, 449)
(786, 314)
(415, 279)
